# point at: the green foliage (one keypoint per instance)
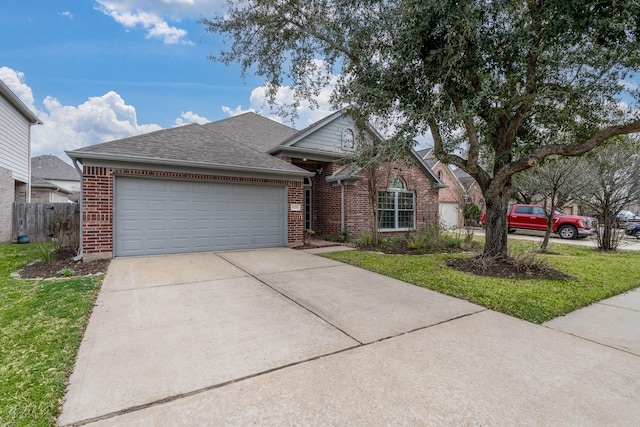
(66, 272)
(592, 279)
(434, 239)
(365, 241)
(471, 214)
(45, 252)
(344, 235)
(42, 323)
(500, 85)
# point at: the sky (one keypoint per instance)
(99, 70)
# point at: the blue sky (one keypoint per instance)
(98, 70)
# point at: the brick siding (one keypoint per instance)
(97, 203)
(326, 199)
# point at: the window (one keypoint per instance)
(396, 206)
(539, 211)
(348, 139)
(440, 176)
(524, 210)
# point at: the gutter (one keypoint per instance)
(79, 256)
(211, 166)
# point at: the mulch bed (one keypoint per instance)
(63, 259)
(507, 268)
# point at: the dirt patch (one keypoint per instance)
(63, 262)
(507, 268)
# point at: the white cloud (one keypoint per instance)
(306, 113)
(190, 117)
(67, 14)
(155, 16)
(236, 111)
(66, 127)
(15, 81)
(154, 23)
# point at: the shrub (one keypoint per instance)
(471, 214)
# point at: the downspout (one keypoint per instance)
(342, 227)
(79, 256)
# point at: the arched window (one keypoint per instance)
(396, 206)
(397, 183)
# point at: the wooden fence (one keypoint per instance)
(45, 222)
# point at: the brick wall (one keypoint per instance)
(326, 203)
(7, 195)
(97, 204)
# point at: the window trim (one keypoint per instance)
(396, 210)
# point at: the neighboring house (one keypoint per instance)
(238, 183)
(53, 180)
(15, 151)
(473, 192)
(451, 200)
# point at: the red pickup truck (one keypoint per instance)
(533, 217)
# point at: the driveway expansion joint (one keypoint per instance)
(619, 307)
(185, 395)
(593, 341)
(294, 301)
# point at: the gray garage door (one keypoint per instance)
(155, 216)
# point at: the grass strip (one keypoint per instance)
(594, 276)
(41, 324)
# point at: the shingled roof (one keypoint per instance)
(52, 167)
(190, 145)
(252, 130)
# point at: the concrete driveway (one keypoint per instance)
(284, 337)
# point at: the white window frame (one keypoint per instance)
(397, 187)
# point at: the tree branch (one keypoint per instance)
(571, 150)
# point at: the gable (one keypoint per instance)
(337, 136)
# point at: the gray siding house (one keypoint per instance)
(15, 154)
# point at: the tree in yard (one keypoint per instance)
(555, 181)
(496, 82)
(377, 160)
(612, 178)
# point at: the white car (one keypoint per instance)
(625, 218)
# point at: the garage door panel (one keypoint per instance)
(163, 216)
(157, 205)
(154, 186)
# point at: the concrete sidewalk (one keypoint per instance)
(280, 336)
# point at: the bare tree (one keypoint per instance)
(553, 183)
(612, 177)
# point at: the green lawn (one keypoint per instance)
(41, 324)
(595, 276)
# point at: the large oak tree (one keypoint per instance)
(495, 81)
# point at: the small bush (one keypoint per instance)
(45, 253)
(471, 214)
(66, 272)
(308, 235)
(365, 240)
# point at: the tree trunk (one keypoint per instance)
(547, 234)
(495, 245)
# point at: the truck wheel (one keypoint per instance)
(637, 234)
(568, 232)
